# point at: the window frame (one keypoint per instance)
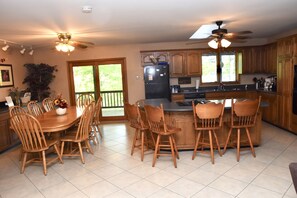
(237, 66)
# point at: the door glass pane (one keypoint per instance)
(111, 90)
(83, 80)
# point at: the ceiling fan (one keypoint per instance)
(219, 37)
(65, 44)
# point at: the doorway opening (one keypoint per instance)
(105, 78)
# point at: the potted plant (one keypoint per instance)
(39, 76)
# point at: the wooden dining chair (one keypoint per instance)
(33, 141)
(138, 121)
(84, 100)
(157, 124)
(16, 110)
(34, 108)
(48, 104)
(95, 126)
(243, 116)
(208, 118)
(81, 135)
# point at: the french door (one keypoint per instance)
(105, 78)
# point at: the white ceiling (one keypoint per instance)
(36, 22)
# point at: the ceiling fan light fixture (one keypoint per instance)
(225, 43)
(31, 52)
(5, 47)
(213, 44)
(22, 51)
(64, 47)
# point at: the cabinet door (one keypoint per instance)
(271, 59)
(145, 58)
(161, 56)
(193, 63)
(269, 113)
(177, 64)
(285, 76)
(4, 132)
(247, 61)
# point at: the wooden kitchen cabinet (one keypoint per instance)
(177, 63)
(269, 113)
(270, 64)
(177, 97)
(284, 91)
(286, 47)
(7, 137)
(230, 94)
(185, 63)
(193, 63)
(159, 56)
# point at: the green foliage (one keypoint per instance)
(83, 79)
(110, 77)
(39, 76)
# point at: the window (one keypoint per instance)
(209, 67)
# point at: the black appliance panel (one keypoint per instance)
(156, 80)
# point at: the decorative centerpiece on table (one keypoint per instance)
(61, 105)
(15, 93)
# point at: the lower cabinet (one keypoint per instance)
(269, 113)
(7, 137)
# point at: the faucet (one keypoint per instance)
(221, 86)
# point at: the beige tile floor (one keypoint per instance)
(112, 172)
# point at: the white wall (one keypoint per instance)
(13, 57)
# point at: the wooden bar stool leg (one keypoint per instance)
(24, 162)
(175, 147)
(196, 145)
(134, 141)
(172, 150)
(250, 141)
(238, 144)
(156, 150)
(142, 145)
(227, 141)
(152, 136)
(211, 146)
(217, 142)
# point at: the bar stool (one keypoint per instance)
(243, 116)
(157, 124)
(137, 119)
(207, 118)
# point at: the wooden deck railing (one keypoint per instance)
(110, 99)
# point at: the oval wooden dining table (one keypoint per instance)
(51, 122)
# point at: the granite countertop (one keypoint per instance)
(174, 107)
(233, 88)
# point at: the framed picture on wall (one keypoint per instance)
(6, 75)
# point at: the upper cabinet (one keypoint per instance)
(185, 63)
(193, 63)
(146, 57)
(177, 62)
(259, 59)
(287, 47)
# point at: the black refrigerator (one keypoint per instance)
(156, 81)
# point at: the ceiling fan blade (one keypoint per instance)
(230, 36)
(84, 42)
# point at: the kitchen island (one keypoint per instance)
(181, 115)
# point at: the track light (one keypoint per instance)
(31, 52)
(5, 47)
(22, 51)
